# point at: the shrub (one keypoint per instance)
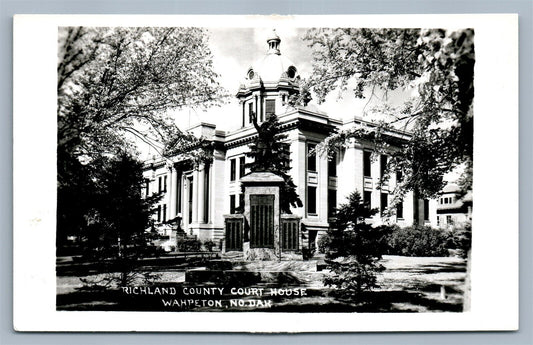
(209, 245)
(189, 245)
(462, 239)
(419, 241)
(353, 249)
(323, 243)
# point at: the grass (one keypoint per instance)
(409, 284)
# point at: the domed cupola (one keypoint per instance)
(269, 83)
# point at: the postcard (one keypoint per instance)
(329, 173)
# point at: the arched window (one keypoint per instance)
(291, 72)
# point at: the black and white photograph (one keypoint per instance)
(272, 168)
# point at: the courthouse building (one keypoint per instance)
(202, 197)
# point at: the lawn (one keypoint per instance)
(409, 284)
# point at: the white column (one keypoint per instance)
(195, 197)
(201, 193)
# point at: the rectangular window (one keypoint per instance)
(332, 202)
(449, 220)
(242, 171)
(383, 165)
(164, 213)
(159, 184)
(332, 166)
(165, 184)
(311, 200)
(158, 213)
(399, 210)
(233, 169)
(438, 220)
(367, 164)
(367, 199)
(147, 188)
(241, 202)
(206, 195)
(270, 108)
(250, 111)
(311, 158)
(191, 185)
(232, 204)
(399, 176)
(178, 195)
(426, 209)
(384, 202)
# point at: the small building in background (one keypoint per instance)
(454, 209)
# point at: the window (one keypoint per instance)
(399, 210)
(366, 164)
(438, 220)
(241, 202)
(178, 196)
(449, 220)
(242, 171)
(384, 202)
(147, 187)
(250, 111)
(426, 209)
(206, 195)
(367, 198)
(270, 108)
(158, 213)
(399, 176)
(233, 168)
(232, 204)
(311, 158)
(165, 184)
(164, 213)
(159, 184)
(191, 185)
(291, 72)
(383, 165)
(311, 200)
(332, 202)
(332, 166)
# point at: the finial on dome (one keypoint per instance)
(273, 43)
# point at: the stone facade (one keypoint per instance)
(200, 198)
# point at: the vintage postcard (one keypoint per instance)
(265, 173)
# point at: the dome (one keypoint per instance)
(272, 67)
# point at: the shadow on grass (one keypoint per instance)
(432, 268)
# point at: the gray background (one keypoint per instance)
(523, 7)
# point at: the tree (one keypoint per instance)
(116, 84)
(118, 81)
(353, 249)
(270, 153)
(435, 66)
(124, 214)
(117, 218)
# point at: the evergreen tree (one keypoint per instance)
(353, 249)
(270, 153)
(118, 214)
